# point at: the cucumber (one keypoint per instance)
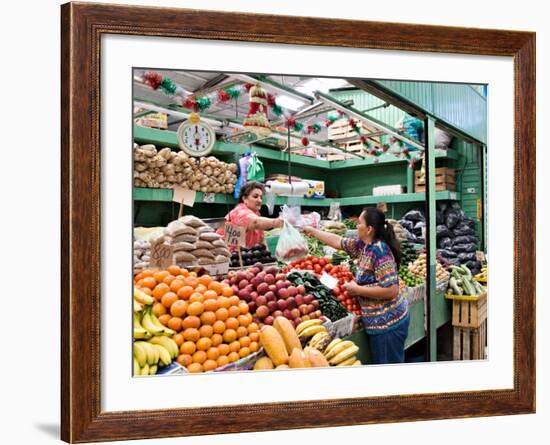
(468, 287)
(466, 271)
(453, 284)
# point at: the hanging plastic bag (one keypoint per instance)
(270, 202)
(291, 245)
(243, 169)
(256, 170)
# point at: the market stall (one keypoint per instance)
(207, 300)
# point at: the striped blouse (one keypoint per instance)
(376, 267)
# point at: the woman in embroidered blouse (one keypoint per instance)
(247, 214)
(384, 310)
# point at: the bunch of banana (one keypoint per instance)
(341, 353)
(149, 356)
(309, 328)
(482, 276)
(142, 298)
(320, 341)
(147, 325)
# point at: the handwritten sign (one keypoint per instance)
(234, 235)
(184, 196)
(161, 255)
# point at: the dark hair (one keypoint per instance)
(383, 230)
(248, 187)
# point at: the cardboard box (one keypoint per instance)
(385, 190)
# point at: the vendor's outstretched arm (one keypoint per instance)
(265, 223)
(330, 239)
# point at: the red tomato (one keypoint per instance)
(336, 291)
(328, 268)
(317, 268)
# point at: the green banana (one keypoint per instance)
(140, 354)
(164, 355)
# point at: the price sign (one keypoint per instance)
(234, 235)
(161, 255)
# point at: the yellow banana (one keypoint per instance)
(348, 362)
(331, 345)
(164, 354)
(142, 297)
(348, 352)
(137, 306)
(147, 323)
(156, 322)
(357, 363)
(318, 338)
(168, 343)
(153, 369)
(306, 324)
(140, 354)
(145, 370)
(139, 331)
(137, 368)
(311, 331)
(338, 348)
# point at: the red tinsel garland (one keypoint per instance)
(152, 79)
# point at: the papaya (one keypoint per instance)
(288, 333)
(298, 359)
(274, 345)
(263, 363)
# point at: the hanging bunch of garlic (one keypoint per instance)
(166, 168)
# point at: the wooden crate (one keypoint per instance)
(469, 311)
(444, 180)
(470, 343)
(341, 129)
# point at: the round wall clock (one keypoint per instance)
(196, 138)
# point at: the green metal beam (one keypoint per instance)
(429, 158)
(148, 194)
(357, 114)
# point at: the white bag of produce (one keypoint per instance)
(291, 245)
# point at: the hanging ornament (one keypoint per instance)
(271, 100)
(363, 139)
(223, 96)
(168, 86)
(248, 86)
(190, 104)
(406, 153)
(277, 110)
(305, 141)
(315, 128)
(290, 122)
(152, 79)
(385, 148)
(256, 120)
(203, 103)
(233, 92)
(298, 126)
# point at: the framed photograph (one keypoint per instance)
(274, 222)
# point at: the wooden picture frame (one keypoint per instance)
(82, 26)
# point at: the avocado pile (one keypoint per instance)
(257, 253)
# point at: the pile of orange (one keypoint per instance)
(214, 327)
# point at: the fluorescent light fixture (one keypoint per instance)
(320, 84)
(289, 102)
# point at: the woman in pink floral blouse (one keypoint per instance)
(247, 214)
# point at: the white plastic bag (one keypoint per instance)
(291, 245)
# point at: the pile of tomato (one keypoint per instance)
(315, 264)
(344, 276)
(341, 272)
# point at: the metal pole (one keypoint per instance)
(289, 172)
(429, 156)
